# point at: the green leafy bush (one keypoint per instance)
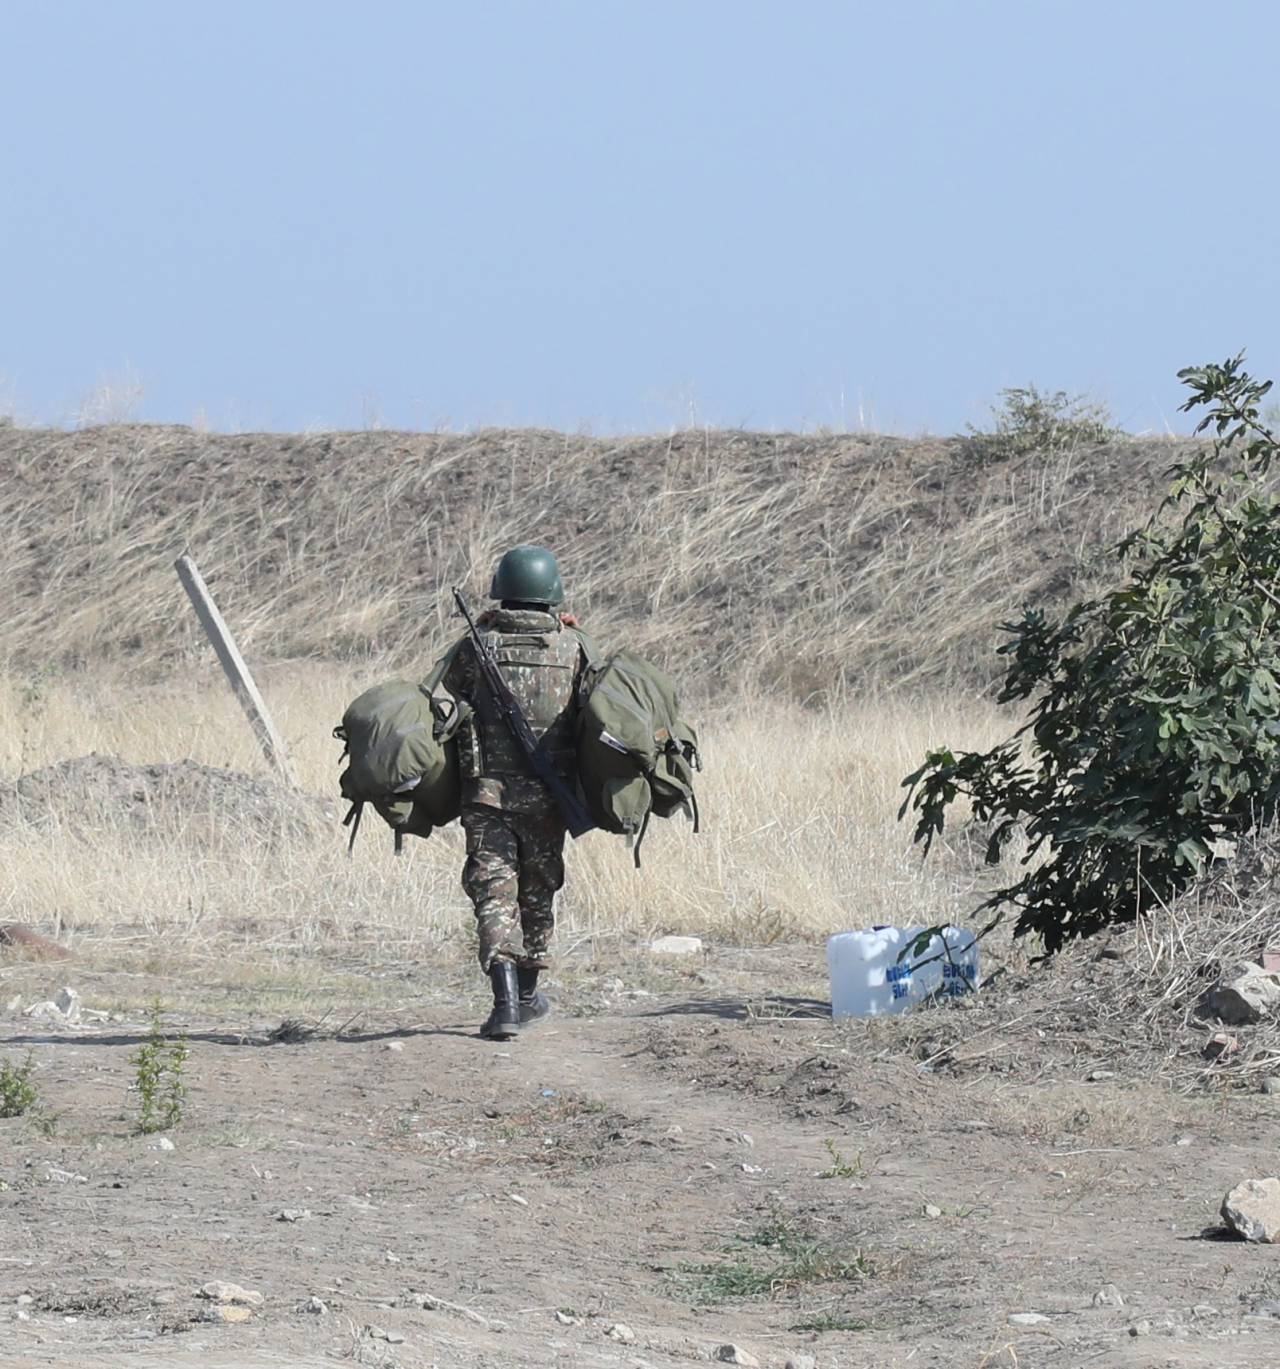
(18, 1093)
(1154, 725)
(1031, 420)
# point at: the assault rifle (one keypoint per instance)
(576, 817)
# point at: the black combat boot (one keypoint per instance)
(504, 1021)
(533, 1005)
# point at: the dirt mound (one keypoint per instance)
(179, 798)
(777, 559)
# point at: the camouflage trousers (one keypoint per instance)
(515, 865)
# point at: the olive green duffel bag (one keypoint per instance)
(637, 755)
(402, 754)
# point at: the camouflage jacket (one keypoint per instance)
(543, 663)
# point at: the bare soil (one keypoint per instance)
(690, 1149)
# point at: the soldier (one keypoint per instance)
(515, 829)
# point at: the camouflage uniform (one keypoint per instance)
(515, 833)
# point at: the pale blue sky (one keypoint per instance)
(631, 216)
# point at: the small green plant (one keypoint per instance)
(18, 1093)
(840, 1168)
(791, 1259)
(1154, 711)
(1031, 420)
(162, 1087)
(46, 1123)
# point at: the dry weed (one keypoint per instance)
(1083, 1118)
(799, 565)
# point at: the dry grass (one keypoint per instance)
(1080, 1118)
(1174, 955)
(799, 806)
(792, 565)
(826, 602)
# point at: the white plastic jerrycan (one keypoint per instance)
(868, 979)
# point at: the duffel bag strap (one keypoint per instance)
(439, 670)
(352, 820)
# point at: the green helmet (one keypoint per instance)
(528, 575)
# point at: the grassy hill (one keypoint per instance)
(790, 563)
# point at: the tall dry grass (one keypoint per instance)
(783, 563)
(826, 603)
(799, 806)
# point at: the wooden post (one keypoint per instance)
(237, 672)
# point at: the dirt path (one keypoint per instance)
(453, 1203)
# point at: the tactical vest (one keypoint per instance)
(540, 661)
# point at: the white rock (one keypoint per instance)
(621, 1332)
(64, 1176)
(394, 1046)
(163, 1143)
(1252, 1209)
(1246, 993)
(47, 1011)
(932, 1210)
(220, 1291)
(1108, 1296)
(1027, 1319)
(316, 1305)
(676, 945)
(735, 1354)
